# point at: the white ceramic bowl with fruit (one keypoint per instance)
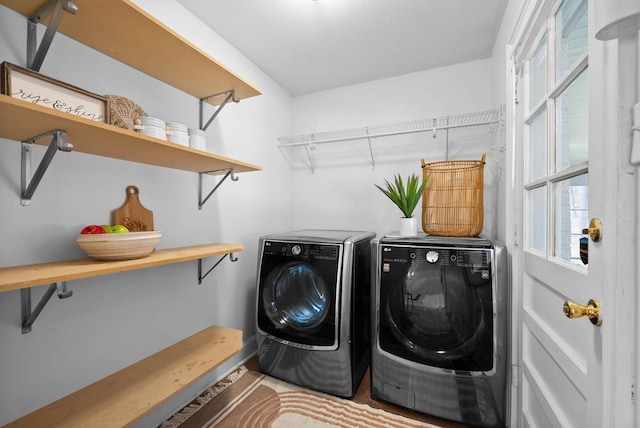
(118, 243)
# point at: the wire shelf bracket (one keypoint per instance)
(29, 184)
(55, 8)
(201, 276)
(229, 96)
(201, 200)
(28, 316)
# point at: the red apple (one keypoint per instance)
(93, 229)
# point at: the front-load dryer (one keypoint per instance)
(313, 308)
(440, 327)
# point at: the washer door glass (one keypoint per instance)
(437, 314)
(436, 311)
(296, 297)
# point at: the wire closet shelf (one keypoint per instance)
(307, 143)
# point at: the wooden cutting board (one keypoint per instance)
(132, 214)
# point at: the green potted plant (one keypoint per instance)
(406, 198)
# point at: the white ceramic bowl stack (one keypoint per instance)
(178, 133)
(197, 139)
(153, 127)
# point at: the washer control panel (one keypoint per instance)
(432, 256)
(443, 256)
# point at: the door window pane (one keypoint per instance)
(557, 133)
(538, 146)
(538, 218)
(571, 34)
(572, 204)
(538, 74)
(572, 124)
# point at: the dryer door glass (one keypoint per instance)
(436, 307)
(296, 296)
(297, 289)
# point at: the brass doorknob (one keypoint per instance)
(594, 230)
(592, 310)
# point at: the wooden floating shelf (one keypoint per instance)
(121, 399)
(127, 33)
(20, 120)
(17, 277)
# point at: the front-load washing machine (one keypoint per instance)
(313, 308)
(440, 327)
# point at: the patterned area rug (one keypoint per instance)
(197, 406)
(248, 399)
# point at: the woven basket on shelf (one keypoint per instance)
(452, 201)
(123, 111)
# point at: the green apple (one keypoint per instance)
(106, 228)
(118, 228)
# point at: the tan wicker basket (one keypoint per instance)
(452, 201)
(123, 111)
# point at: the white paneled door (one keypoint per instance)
(563, 329)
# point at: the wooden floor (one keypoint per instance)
(363, 396)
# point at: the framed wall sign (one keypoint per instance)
(33, 87)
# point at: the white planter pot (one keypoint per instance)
(408, 226)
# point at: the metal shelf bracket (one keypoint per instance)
(229, 96)
(201, 276)
(201, 201)
(55, 8)
(309, 149)
(29, 317)
(29, 184)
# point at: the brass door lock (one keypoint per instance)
(594, 230)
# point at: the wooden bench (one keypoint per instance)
(126, 396)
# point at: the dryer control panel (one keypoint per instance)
(302, 250)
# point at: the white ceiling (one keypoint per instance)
(314, 45)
